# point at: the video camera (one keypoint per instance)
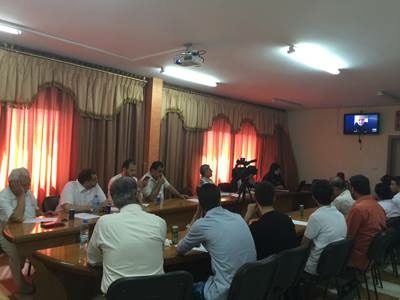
(243, 170)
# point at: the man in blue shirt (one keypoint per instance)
(227, 239)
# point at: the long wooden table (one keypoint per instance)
(71, 272)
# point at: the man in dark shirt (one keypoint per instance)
(274, 231)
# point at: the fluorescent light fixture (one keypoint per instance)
(9, 29)
(189, 75)
(315, 56)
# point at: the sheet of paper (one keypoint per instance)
(296, 222)
(114, 209)
(86, 216)
(145, 204)
(195, 200)
(38, 220)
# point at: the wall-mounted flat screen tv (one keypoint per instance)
(361, 123)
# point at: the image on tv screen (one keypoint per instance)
(361, 123)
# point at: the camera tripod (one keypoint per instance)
(243, 189)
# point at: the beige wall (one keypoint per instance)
(321, 149)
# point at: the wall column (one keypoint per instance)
(153, 102)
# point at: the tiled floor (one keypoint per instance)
(390, 291)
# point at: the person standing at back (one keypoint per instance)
(365, 220)
(326, 225)
(227, 239)
(274, 231)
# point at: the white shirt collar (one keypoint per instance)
(81, 188)
(130, 208)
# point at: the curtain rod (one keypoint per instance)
(70, 61)
(204, 94)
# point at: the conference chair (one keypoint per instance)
(378, 254)
(169, 286)
(50, 203)
(253, 280)
(290, 267)
(331, 268)
(226, 187)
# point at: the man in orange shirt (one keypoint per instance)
(366, 218)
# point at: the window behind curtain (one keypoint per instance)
(222, 148)
(217, 150)
(246, 142)
(38, 138)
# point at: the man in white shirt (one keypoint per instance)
(17, 203)
(206, 174)
(154, 183)
(81, 193)
(395, 187)
(128, 169)
(342, 196)
(130, 243)
(326, 225)
(384, 194)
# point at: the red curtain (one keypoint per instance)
(245, 142)
(40, 139)
(217, 150)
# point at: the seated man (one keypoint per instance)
(206, 174)
(227, 239)
(342, 196)
(80, 194)
(326, 225)
(274, 231)
(130, 243)
(128, 169)
(17, 204)
(154, 183)
(395, 188)
(365, 220)
(384, 194)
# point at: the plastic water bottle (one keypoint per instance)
(158, 199)
(84, 234)
(95, 203)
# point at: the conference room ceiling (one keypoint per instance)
(242, 39)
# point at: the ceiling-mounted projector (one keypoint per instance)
(190, 58)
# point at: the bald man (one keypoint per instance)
(342, 196)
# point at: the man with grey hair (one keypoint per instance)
(129, 243)
(17, 204)
(342, 196)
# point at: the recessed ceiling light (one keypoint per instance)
(315, 56)
(9, 29)
(189, 75)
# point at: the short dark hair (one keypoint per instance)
(265, 193)
(203, 169)
(209, 196)
(156, 164)
(360, 184)
(338, 182)
(383, 191)
(322, 191)
(85, 175)
(396, 179)
(126, 163)
(386, 179)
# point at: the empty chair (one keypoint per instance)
(170, 286)
(331, 265)
(291, 265)
(379, 251)
(253, 280)
(50, 203)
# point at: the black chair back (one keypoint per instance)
(334, 258)
(226, 187)
(394, 223)
(291, 265)
(170, 286)
(253, 280)
(381, 244)
(50, 203)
